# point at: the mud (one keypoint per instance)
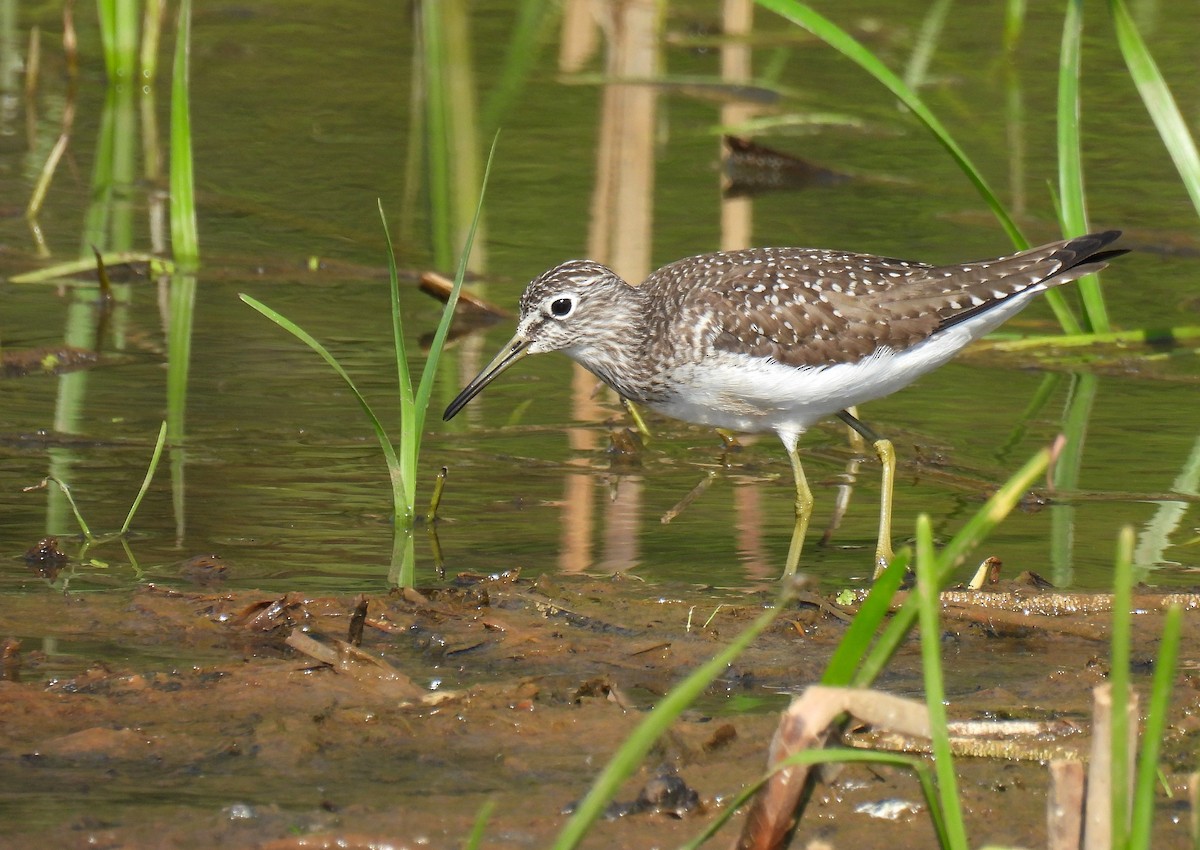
(163, 717)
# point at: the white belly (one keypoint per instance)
(749, 394)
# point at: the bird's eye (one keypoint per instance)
(560, 308)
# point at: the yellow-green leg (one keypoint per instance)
(887, 457)
(804, 506)
(883, 549)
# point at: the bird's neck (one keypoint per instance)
(618, 356)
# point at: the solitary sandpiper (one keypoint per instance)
(776, 339)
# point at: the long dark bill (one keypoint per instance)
(514, 350)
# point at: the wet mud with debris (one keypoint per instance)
(161, 717)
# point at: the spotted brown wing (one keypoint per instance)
(796, 306)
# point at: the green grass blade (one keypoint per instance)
(1122, 628)
(969, 536)
(929, 574)
(154, 458)
(630, 754)
(992, 513)
(185, 241)
(405, 387)
(854, 644)
(1156, 723)
(1158, 99)
(443, 329)
(475, 839)
(411, 418)
(1070, 166)
(295, 330)
(1070, 160)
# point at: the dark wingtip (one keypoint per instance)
(1088, 250)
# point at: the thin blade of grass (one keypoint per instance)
(1164, 112)
(984, 520)
(141, 493)
(405, 386)
(838, 39)
(1156, 723)
(475, 839)
(411, 419)
(185, 241)
(1070, 160)
(630, 754)
(439, 338)
(1121, 641)
(389, 452)
(929, 572)
(854, 644)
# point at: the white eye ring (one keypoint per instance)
(561, 305)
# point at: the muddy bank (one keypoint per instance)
(167, 718)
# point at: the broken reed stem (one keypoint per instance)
(1064, 805)
(1098, 825)
(435, 501)
(689, 497)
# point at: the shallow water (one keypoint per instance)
(290, 156)
(301, 115)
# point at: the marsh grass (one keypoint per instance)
(401, 456)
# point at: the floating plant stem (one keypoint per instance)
(435, 501)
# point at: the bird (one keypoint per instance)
(777, 339)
